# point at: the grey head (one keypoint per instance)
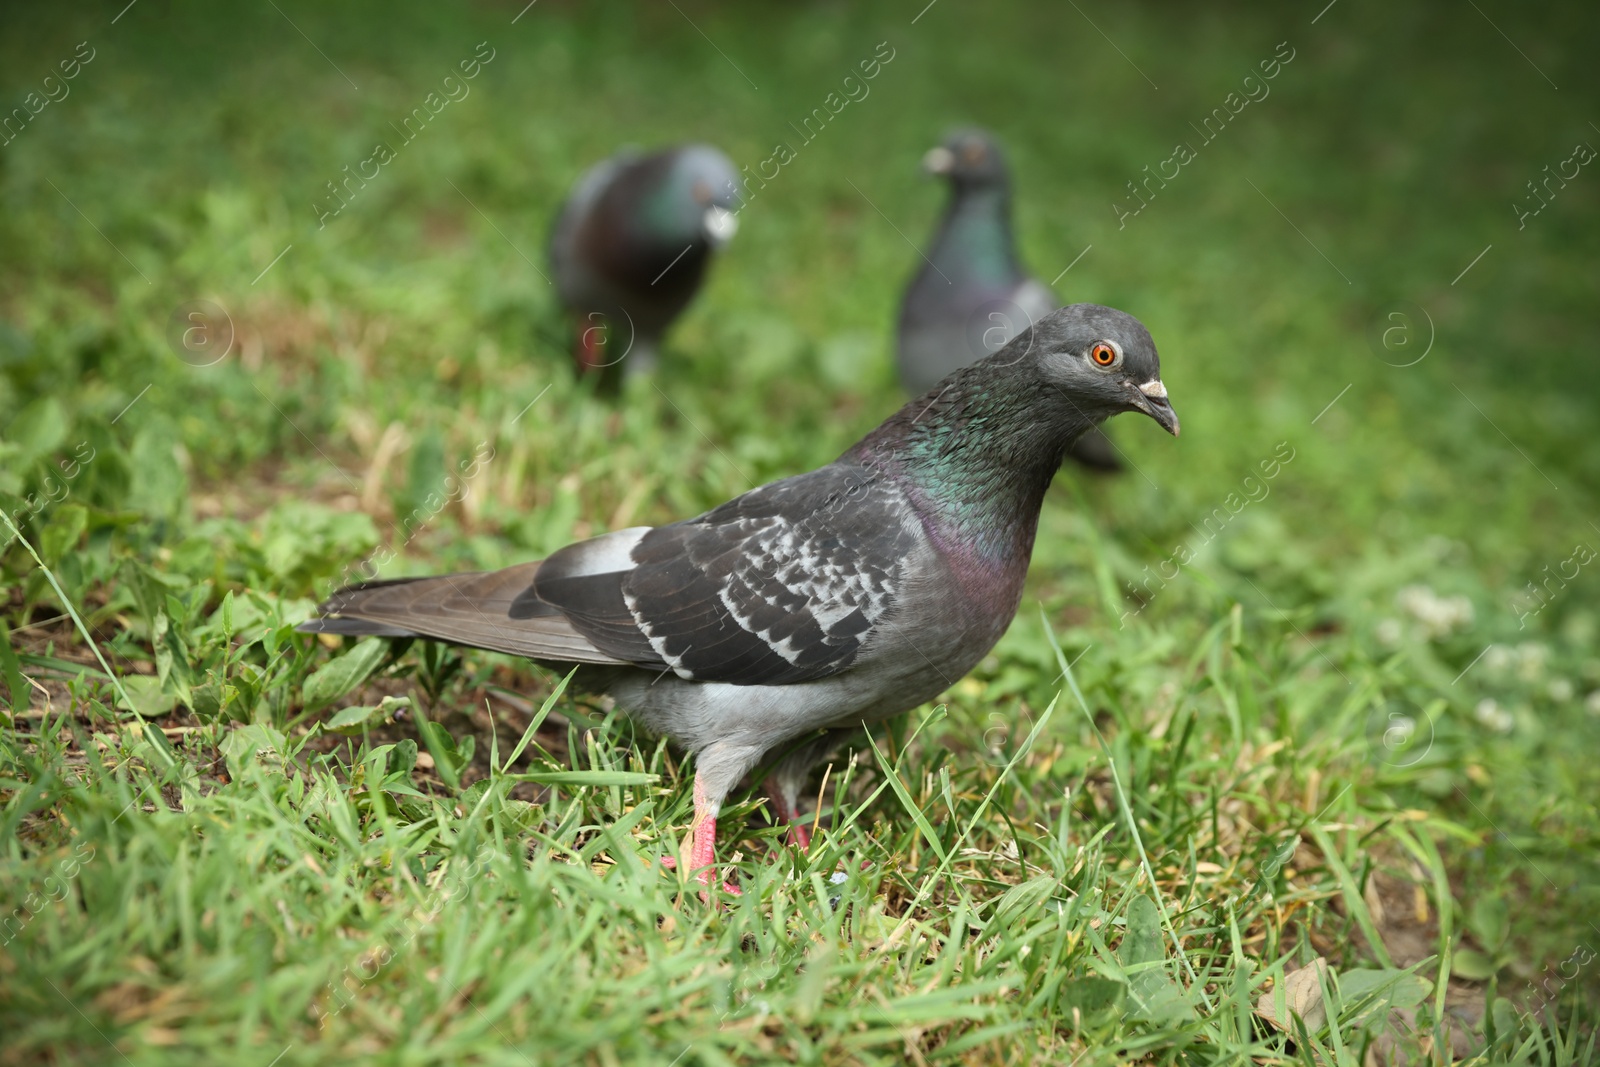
(1101, 360)
(698, 196)
(969, 159)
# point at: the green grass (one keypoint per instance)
(1337, 730)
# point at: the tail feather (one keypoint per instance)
(465, 609)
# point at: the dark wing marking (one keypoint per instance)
(779, 586)
(584, 583)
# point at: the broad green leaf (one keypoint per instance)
(1372, 994)
(1472, 965)
(161, 488)
(441, 744)
(149, 590)
(1142, 942)
(254, 743)
(149, 697)
(211, 697)
(172, 657)
(1152, 995)
(39, 428)
(401, 789)
(17, 686)
(1092, 999)
(353, 720)
(62, 533)
(1489, 919)
(338, 676)
(1504, 1021)
(1019, 900)
(402, 758)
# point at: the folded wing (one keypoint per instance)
(785, 584)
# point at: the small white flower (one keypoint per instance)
(1460, 611)
(1439, 616)
(1593, 703)
(1497, 659)
(1560, 690)
(1531, 657)
(1389, 632)
(1417, 600)
(1491, 714)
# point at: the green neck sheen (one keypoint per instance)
(977, 462)
(978, 237)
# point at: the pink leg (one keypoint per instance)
(702, 859)
(799, 829)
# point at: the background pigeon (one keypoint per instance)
(791, 615)
(972, 295)
(630, 248)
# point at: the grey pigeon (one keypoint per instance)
(630, 248)
(972, 294)
(769, 628)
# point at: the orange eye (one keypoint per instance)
(1103, 354)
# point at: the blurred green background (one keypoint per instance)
(1383, 580)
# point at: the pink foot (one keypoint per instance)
(799, 833)
(727, 887)
(702, 858)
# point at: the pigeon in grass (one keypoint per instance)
(630, 249)
(766, 630)
(972, 295)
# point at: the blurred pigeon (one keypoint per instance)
(771, 627)
(972, 295)
(630, 248)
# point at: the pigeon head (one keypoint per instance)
(1101, 359)
(702, 188)
(978, 451)
(971, 159)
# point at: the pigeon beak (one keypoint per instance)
(720, 225)
(939, 160)
(1152, 400)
